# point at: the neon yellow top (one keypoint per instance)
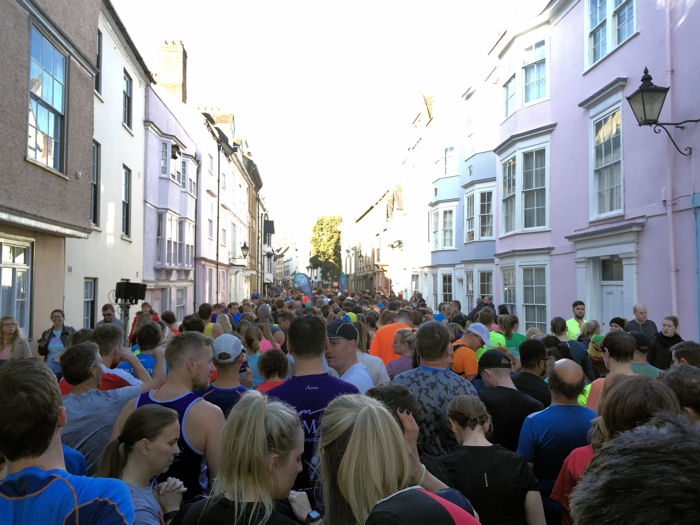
(573, 328)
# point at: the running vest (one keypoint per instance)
(187, 464)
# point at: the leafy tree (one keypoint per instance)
(325, 247)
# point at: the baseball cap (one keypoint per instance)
(227, 348)
(340, 328)
(493, 358)
(481, 330)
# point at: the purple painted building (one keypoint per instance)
(588, 204)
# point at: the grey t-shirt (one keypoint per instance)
(375, 367)
(90, 417)
(114, 321)
(148, 511)
(434, 389)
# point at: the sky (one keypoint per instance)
(323, 91)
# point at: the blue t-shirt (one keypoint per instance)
(548, 437)
(148, 362)
(75, 461)
(309, 396)
(439, 317)
(33, 495)
(253, 367)
(224, 398)
(55, 344)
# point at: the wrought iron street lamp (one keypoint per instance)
(646, 104)
(245, 250)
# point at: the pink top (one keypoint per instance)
(266, 345)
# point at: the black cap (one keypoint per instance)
(493, 358)
(340, 328)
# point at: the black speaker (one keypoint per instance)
(129, 291)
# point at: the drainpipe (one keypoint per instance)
(198, 158)
(218, 209)
(670, 157)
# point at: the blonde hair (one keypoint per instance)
(363, 458)
(407, 336)
(254, 429)
(17, 334)
(589, 329)
(223, 321)
(532, 332)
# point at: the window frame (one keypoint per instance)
(517, 152)
(160, 237)
(477, 192)
(610, 25)
(510, 301)
(597, 114)
(89, 303)
(95, 183)
(164, 158)
(24, 320)
(180, 300)
(56, 137)
(127, 99)
(98, 64)
(446, 297)
(524, 318)
(518, 266)
(509, 96)
(531, 59)
(126, 200)
(438, 229)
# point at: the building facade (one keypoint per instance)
(114, 250)
(47, 82)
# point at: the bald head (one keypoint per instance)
(640, 313)
(566, 380)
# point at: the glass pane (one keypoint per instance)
(8, 292)
(20, 255)
(58, 96)
(35, 76)
(47, 55)
(58, 66)
(36, 45)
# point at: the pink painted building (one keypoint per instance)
(588, 204)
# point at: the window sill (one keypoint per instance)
(591, 66)
(524, 232)
(126, 238)
(96, 228)
(46, 168)
(128, 129)
(98, 95)
(480, 240)
(602, 218)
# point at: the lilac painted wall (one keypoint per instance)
(647, 157)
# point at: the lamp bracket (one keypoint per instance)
(688, 151)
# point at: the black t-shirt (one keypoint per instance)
(218, 510)
(494, 480)
(533, 386)
(508, 408)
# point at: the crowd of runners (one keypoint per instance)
(350, 408)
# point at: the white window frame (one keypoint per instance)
(164, 158)
(441, 283)
(180, 299)
(518, 265)
(611, 20)
(127, 182)
(596, 113)
(182, 235)
(469, 293)
(531, 58)
(516, 152)
(524, 319)
(438, 229)
(509, 96)
(511, 301)
(160, 237)
(183, 172)
(481, 271)
(20, 305)
(89, 301)
(476, 193)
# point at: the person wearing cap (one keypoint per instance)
(342, 355)
(507, 405)
(229, 357)
(464, 361)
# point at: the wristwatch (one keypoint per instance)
(312, 517)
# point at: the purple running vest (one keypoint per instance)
(187, 465)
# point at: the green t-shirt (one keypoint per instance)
(497, 339)
(513, 344)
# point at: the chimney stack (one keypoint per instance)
(171, 69)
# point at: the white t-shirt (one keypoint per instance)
(375, 367)
(358, 375)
